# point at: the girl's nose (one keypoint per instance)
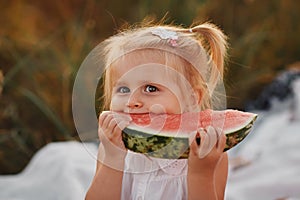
(134, 101)
(134, 104)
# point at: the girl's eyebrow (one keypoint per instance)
(140, 83)
(143, 82)
(118, 83)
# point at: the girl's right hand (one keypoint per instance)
(110, 129)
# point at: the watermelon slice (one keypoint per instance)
(167, 135)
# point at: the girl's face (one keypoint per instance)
(144, 87)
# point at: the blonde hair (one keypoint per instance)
(199, 55)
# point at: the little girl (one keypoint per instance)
(160, 69)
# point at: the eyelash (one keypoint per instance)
(119, 90)
(146, 89)
(148, 86)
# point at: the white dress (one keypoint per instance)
(154, 179)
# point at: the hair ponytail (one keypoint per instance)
(217, 50)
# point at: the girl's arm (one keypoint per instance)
(107, 182)
(212, 185)
(207, 174)
(221, 175)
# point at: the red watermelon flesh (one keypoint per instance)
(228, 121)
(167, 135)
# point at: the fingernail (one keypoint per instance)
(202, 133)
(210, 128)
(201, 129)
(219, 131)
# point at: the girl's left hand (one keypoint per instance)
(205, 157)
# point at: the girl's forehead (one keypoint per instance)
(143, 60)
(146, 73)
(140, 57)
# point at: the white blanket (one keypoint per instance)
(267, 164)
(61, 171)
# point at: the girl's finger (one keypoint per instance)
(116, 125)
(194, 146)
(221, 141)
(126, 117)
(102, 118)
(107, 120)
(208, 142)
(123, 124)
(213, 136)
(117, 137)
(112, 128)
(202, 148)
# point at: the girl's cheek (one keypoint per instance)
(117, 104)
(157, 108)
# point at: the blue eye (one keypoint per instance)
(123, 89)
(151, 88)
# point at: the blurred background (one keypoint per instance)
(43, 43)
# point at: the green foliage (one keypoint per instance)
(39, 62)
(43, 43)
(264, 40)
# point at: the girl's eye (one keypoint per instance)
(151, 88)
(123, 89)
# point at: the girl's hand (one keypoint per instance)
(204, 158)
(110, 129)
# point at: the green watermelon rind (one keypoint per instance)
(162, 146)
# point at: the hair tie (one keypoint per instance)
(191, 30)
(164, 34)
